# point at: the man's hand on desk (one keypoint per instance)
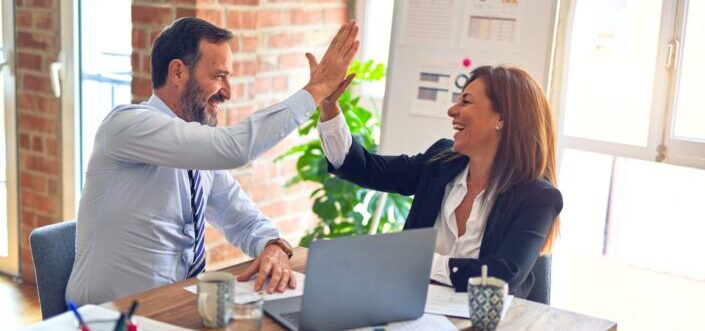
(273, 263)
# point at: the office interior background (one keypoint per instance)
(631, 132)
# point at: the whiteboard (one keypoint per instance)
(431, 44)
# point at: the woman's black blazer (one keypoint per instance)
(516, 228)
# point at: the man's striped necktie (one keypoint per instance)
(199, 251)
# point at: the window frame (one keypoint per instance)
(661, 146)
(11, 264)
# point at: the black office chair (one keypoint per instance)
(541, 292)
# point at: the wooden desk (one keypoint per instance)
(172, 304)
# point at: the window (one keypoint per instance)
(105, 68)
(629, 96)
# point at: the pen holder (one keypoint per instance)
(486, 299)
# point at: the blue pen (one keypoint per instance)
(81, 324)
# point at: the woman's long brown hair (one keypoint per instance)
(527, 148)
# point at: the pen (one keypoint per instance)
(132, 309)
(120, 322)
(131, 326)
(81, 324)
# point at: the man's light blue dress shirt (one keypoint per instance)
(135, 225)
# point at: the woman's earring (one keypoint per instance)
(498, 127)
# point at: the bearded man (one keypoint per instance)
(158, 170)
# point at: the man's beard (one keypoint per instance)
(194, 104)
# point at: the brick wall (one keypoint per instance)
(38, 120)
(271, 37)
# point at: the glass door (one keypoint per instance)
(9, 235)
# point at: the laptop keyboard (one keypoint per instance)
(292, 317)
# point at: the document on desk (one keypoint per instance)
(443, 300)
(426, 322)
(245, 291)
(98, 319)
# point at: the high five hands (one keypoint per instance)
(328, 75)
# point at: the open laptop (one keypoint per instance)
(361, 281)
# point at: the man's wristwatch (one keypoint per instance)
(283, 244)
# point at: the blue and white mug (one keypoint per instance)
(486, 302)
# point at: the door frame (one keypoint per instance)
(11, 264)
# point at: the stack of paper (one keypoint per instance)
(443, 300)
(245, 291)
(98, 319)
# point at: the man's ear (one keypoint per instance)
(178, 72)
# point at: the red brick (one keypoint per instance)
(139, 38)
(266, 63)
(269, 18)
(43, 20)
(235, 44)
(53, 187)
(335, 15)
(235, 115)
(241, 19)
(35, 41)
(23, 18)
(305, 17)
(36, 83)
(34, 123)
(211, 15)
(262, 85)
(274, 209)
(152, 37)
(293, 60)
(286, 39)
(249, 43)
(29, 61)
(223, 253)
(189, 2)
(37, 145)
(42, 3)
(38, 201)
(152, 15)
(280, 83)
(33, 182)
(40, 164)
(146, 64)
(239, 2)
(237, 91)
(24, 141)
(141, 86)
(52, 147)
(45, 105)
(135, 61)
(244, 68)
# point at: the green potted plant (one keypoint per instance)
(345, 209)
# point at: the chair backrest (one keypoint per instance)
(541, 292)
(53, 252)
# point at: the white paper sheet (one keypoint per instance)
(492, 25)
(245, 291)
(428, 23)
(98, 319)
(426, 322)
(443, 300)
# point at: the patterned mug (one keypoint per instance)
(216, 291)
(486, 302)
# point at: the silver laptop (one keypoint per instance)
(361, 281)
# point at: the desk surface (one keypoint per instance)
(172, 304)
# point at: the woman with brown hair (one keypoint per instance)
(490, 192)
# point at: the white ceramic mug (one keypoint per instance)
(216, 291)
